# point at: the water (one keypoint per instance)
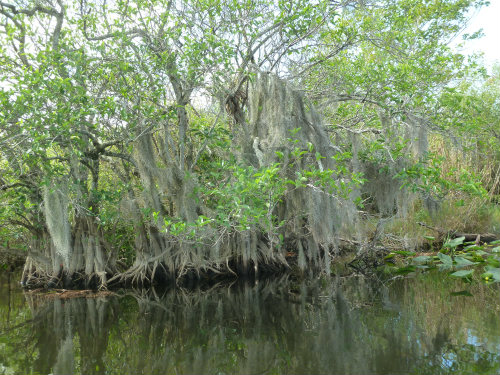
(343, 326)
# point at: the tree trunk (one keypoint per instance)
(66, 255)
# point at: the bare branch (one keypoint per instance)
(28, 12)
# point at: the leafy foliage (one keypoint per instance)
(134, 111)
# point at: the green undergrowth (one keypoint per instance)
(468, 261)
(458, 213)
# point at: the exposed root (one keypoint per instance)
(141, 273)
(34, 275)
(229, 268)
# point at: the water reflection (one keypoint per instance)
(348, 326)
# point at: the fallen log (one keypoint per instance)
(476, 237)
(66, 294)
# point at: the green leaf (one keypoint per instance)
(495, 272)
(496, 249)
(445, 267)
(473, 247)
(481, 252)
(462, 262)
(493, 261)
(405, 270)
(446, 259)
(462, 273)
(454, 242)
(422, 267)
(421, 259)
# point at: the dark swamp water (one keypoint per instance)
(342, 326)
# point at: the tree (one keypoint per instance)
(470, 111)
(151, 126)
(381, 97)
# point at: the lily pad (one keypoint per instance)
(446, 259)
(481, 252)
(422, 267)
(454, 242)
(421, 259)
(445, 266)
(462, 273)
(495, 272)
(462, 262)
(473, 247)
(493, 261)
(404, 270)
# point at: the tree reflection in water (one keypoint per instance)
(347, 326)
